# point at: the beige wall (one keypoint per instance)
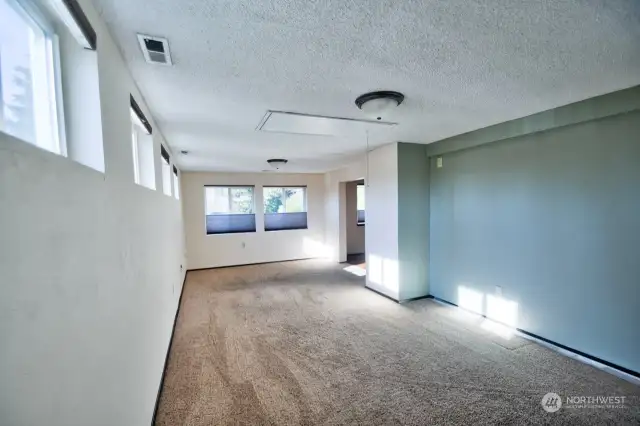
(355, 233)
(206, 251)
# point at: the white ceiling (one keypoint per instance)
(462, 65)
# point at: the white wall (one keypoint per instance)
(355, 233)
(381, 193)
(335, 211)
(207, 251)
(90, 273)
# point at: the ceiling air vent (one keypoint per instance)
(155, 49)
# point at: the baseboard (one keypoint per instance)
(249, 264)
(166, 357)
(559, 346)
(381, 294)
(413, 299)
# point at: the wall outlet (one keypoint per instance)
(439, 162)
(499, 291)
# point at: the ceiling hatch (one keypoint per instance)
(308, 124)
(155, 49)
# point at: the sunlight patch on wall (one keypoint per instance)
(375, 269)
(471, 300)
(502, 310)
(383, 272)
(313, 248)
(501, 314)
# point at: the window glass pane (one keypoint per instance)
(176, 187)
(166, 177)
(17, 36)
(241, 200)
(360, 195)
(228, 200)
(273, 200)
(285, 200)
(144, 170)
(28, 107)
(295, 200)
(134, 150)
(217, 200)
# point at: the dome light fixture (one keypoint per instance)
(377, 104)
(277, 163)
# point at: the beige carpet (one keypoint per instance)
(303, 343)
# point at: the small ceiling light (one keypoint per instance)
(277, 163)
(378, 104)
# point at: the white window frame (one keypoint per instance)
(51, 110)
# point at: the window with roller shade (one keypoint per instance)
(285, 208)
(360, 202)
(229, 209)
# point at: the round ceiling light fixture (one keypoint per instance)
(378, 104)
(277, 163)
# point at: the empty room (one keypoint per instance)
(286, 212)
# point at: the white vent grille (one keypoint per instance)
(155, 49)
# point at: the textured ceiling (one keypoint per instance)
(462, 64)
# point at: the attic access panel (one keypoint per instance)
(308, 124)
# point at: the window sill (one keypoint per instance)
(287, 229)
(231, 233)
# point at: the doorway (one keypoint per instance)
(355, 223)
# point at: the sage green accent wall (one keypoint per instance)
(553, 219)
(588, 110)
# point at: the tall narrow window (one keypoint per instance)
(30, 99)
(134, 149)
(166, 171)
(142, 148)
(229, 209)
(176, 183)
(360, 207)
(285, 208)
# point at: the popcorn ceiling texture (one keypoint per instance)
(304, 343)
(462, 64)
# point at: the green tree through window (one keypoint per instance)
(284, 200)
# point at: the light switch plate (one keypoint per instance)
(439, 162)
